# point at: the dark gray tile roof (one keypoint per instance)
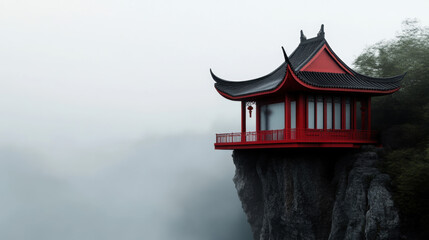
(298, 59)
(305, 51)
(348, 81)
(262, 84)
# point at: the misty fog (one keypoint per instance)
(175, 188)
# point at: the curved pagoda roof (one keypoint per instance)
(313, 66)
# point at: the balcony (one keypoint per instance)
(296, 138)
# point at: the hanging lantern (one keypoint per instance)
(250, 108)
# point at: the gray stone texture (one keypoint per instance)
(315, 194)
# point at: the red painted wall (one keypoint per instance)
(323, 63)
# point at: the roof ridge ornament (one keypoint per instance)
(303, 37)
(321, 31)
(287, 59)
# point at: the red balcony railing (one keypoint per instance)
(299, 136)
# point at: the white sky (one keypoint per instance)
(92, 72)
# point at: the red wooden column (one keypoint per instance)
(325, 110)
(305, 111)
(258, 117)
(333, 113)
(243, 121)
(354, 114)
(363, 114)
(315, 111)
(300, 120)
(343, 113)
(258, 120)
(368, 110)
(287, 117)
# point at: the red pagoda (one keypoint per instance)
(313, 99)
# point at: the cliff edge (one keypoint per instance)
(315, 194)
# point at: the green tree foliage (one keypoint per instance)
(403, 118)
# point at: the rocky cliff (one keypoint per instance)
(315, 194)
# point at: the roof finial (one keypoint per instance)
(303, 37)
(287, 59)
(321, 32)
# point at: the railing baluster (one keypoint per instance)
(298, 135)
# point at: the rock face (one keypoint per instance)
(323, 194)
